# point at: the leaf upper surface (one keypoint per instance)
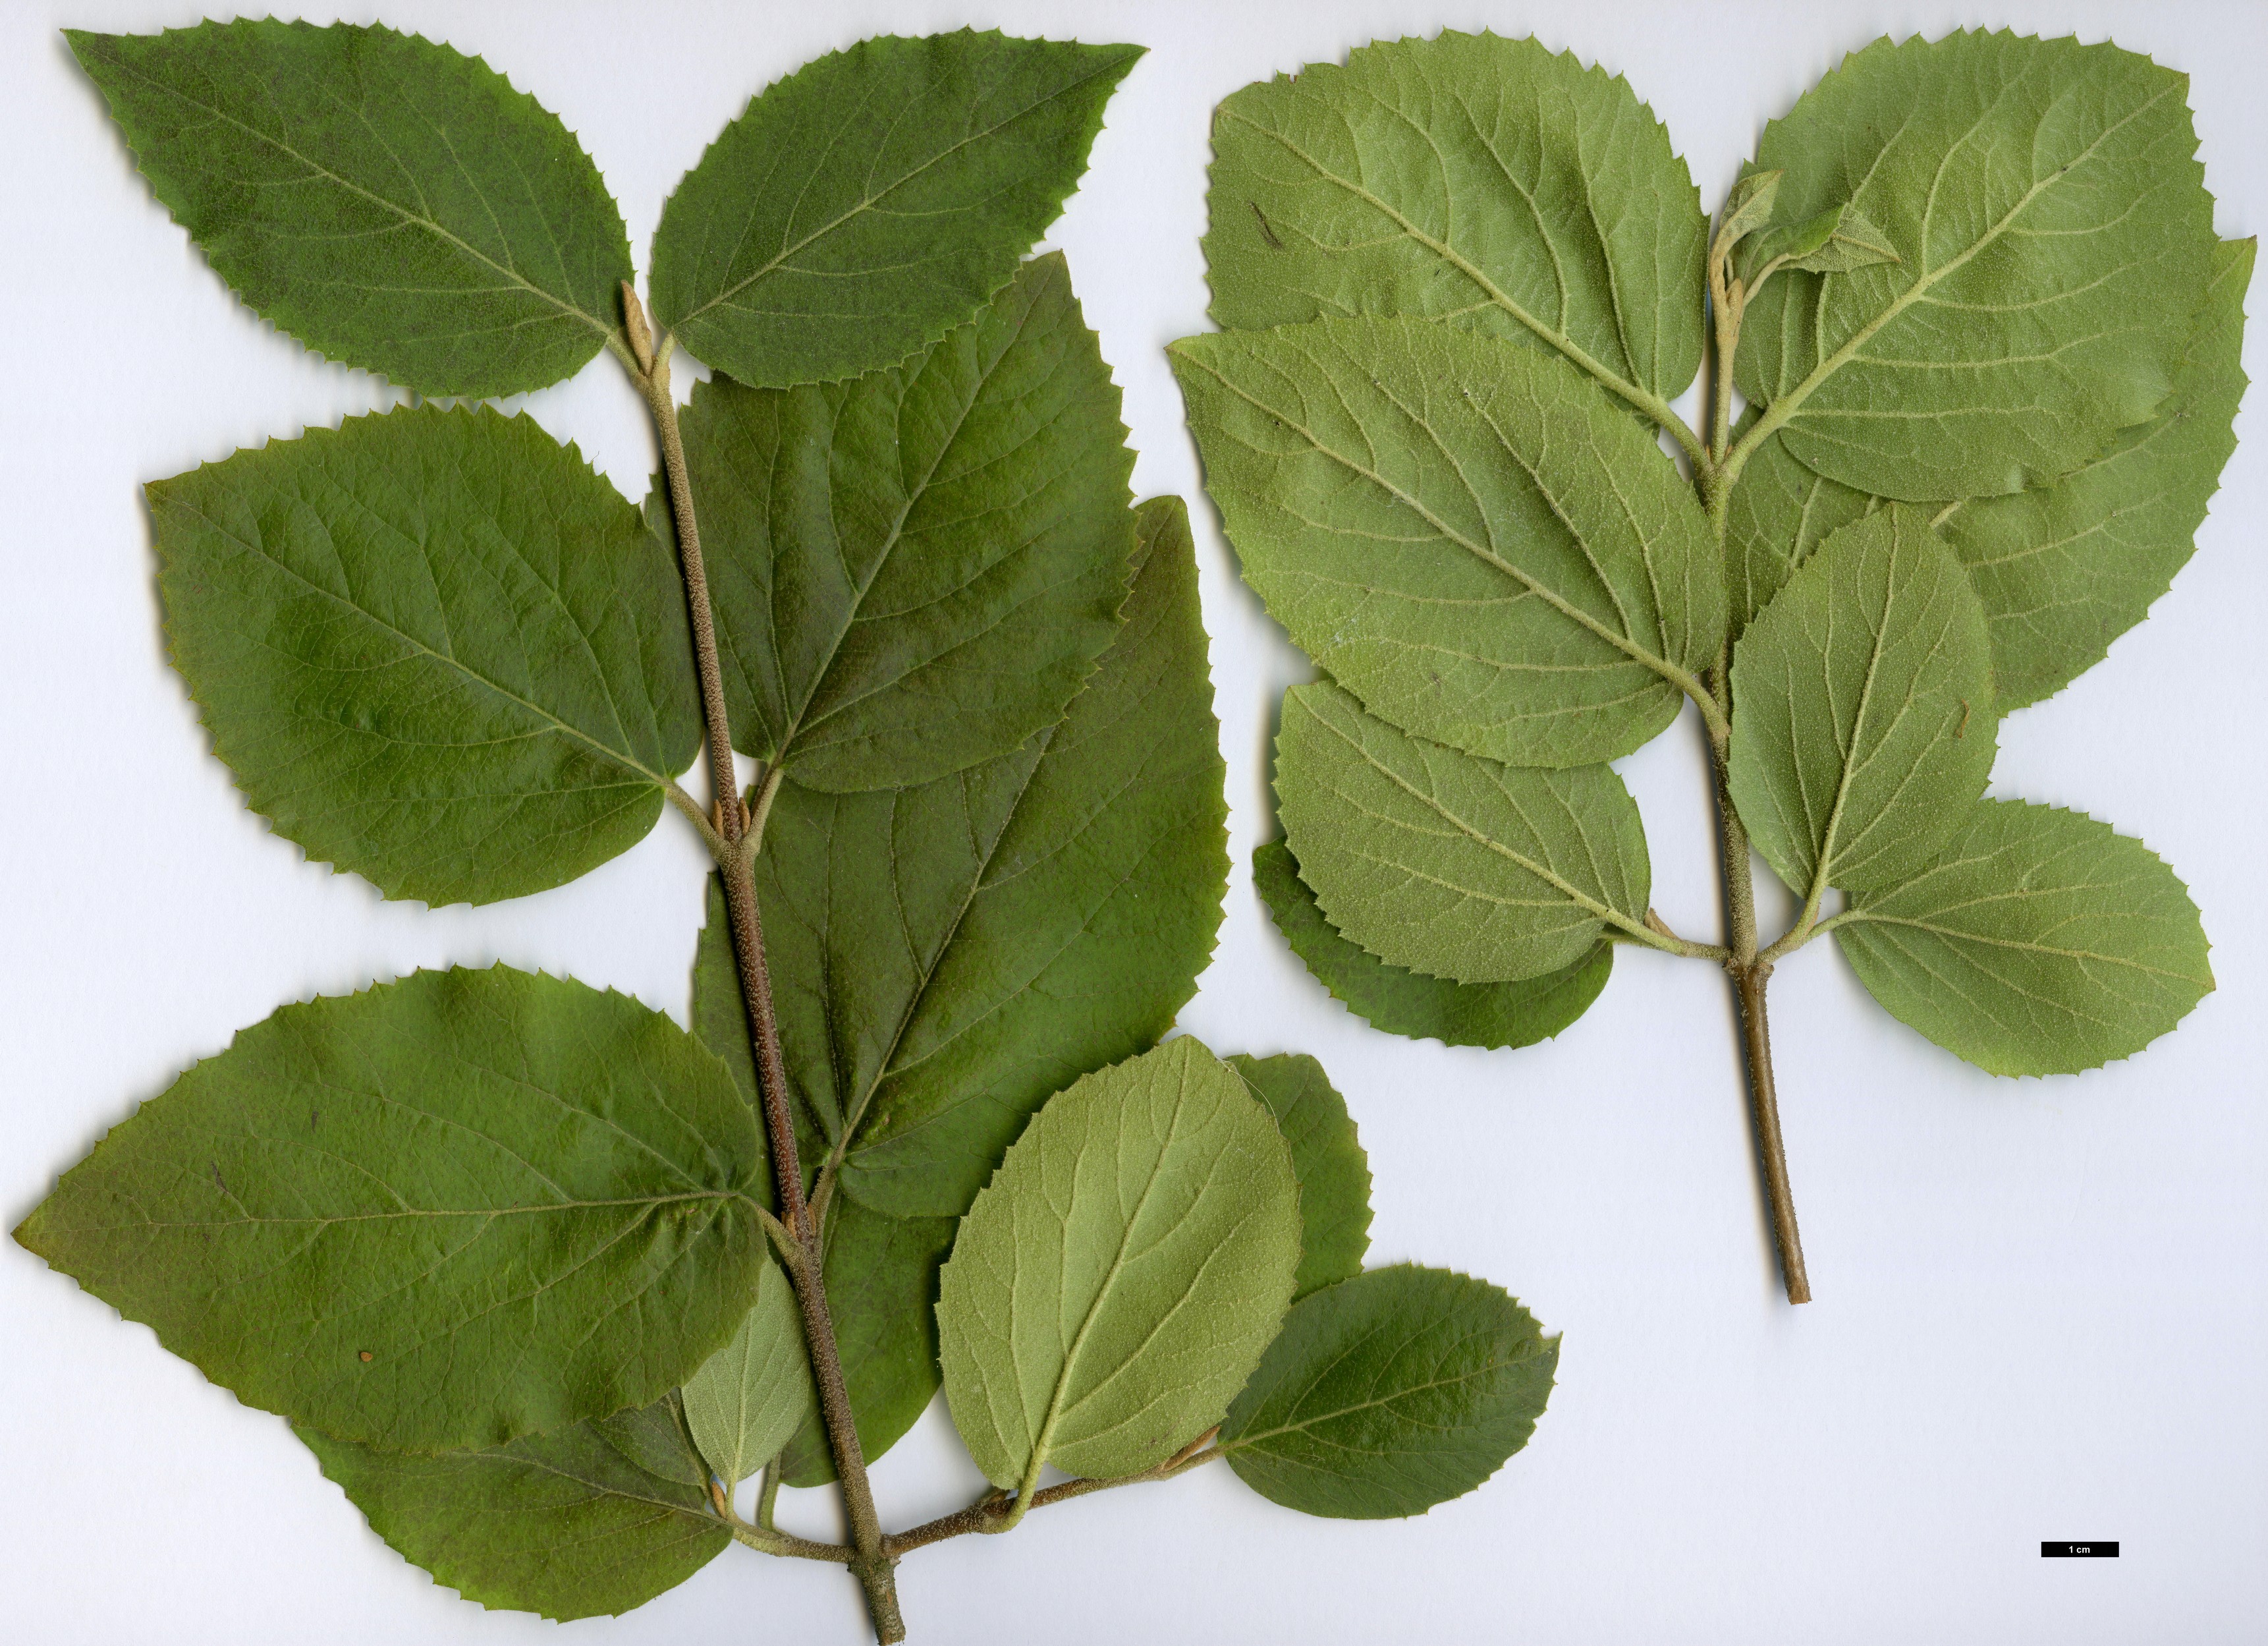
(1467, 177)
(1447, 864)
(752, 1395)
(389, 202)
(1115, 1284)
(878, 196)
(2039, 942)
(914, 571)
(1389, 1394)
(443, 1213)
(1403, 1002)
(433, 646)
(2053, 232)
(1463, 533)
(589, 1521)
(1327, 1158)
(1863, 724)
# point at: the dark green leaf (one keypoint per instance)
(1327, 1160)
(1389, 1394)
(389, 202)
(1463, 533)
(434, 647)
(875, 198)
(1404, 1002)
(2053, 235)
(2039, 942)
(443, 1213)
(589, 1521)
(914, 571)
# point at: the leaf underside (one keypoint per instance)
(1327, 1158)
(752, 1395)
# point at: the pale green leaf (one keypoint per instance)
(2039, 942)
(753, 1393)
(1835, 241)
(588, 1521)
(913, 571)
(1327, 1158)
(1747, 209)
(1114, 1286)
(1448, 864)
(434, 647)
(1863, 724)
(1404, 1002)
(1389, 1394)
(1463, 533)
(443, 1213)
(1776, 514)
(389, 202)
(2052, 230)
(945, 957)
(882, 1289)
(875, 198)
(1465, 177)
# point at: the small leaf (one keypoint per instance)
(2039, 942)
(1835, 241)
(1863, 726)
(1116, 1283)
(882, 1289)
(2052, 233)
(1466, 177)
(945, 958)
(443, 1213)
(1463, 533)
(1447, 864)
(1327, 1158)
(875, 198)
(1403, 1002)
(752, 1395)
(914, 571)
(1389, 1394)
(389, 202)
(434, 647)
(588, 1521)
(1747, 209)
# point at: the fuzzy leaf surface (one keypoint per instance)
(752, 1395)
(1467, 178)
(1389, 1394)
(1777, 514)
(2053, 235)
(2039, 942)
(947, 956)
(1115, 1284)
(588, 1521)
(434, 647)
(1464, 533)
(1403, 1002)
(1327, 1158)
(877, 197)
(440, 1214)
(914, 571)
(1863, 724)
(389, 202)
(1446, 864)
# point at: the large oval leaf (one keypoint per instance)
(389, 202)
(1447, 864)
(1389, 1394)
(2053, 233)
(1863, 726)
(434, 647)
(589, 1521)
(2039, 942)
(1469, 178)
(914, 571)
(875, 198)
(443, 1213)
(1115, 1284)
(1464, 533)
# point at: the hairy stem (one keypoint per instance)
(736, 868)
(998, 1511)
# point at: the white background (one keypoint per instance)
(2041, 1303)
